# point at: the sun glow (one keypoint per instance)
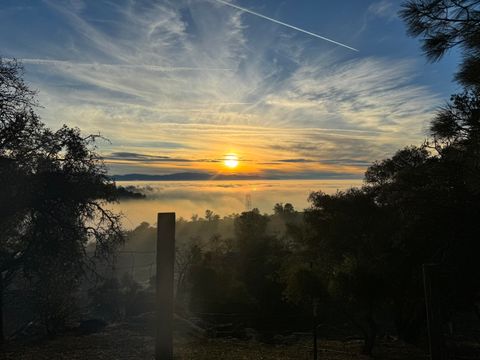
(231, 161)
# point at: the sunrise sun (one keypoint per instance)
(231, 161)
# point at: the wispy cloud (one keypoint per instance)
(384, 8)
(97, 66)
(123, 157)
(184, 72)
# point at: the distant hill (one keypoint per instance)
(186, 176)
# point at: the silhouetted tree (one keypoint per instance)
(348, 248)
(211, 216)
(186, 256)
(260, 261)
(285, 211)
(249, 226)
(405, 186)
(433, 189)
(443, 25)
(54, 187)
(433, 195)
(458, 121)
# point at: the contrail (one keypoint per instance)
(284, 24)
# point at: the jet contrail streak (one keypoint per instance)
(284, 24)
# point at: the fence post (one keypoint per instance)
(164, 285)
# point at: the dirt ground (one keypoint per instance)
(121, 343)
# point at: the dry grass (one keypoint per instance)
(121, 343)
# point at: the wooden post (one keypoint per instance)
(164, 282)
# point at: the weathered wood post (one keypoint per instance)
(164, 285)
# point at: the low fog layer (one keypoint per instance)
(226, 197)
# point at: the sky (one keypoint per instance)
(176, 85)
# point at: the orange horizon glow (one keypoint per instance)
(247, 162)
(245, 155)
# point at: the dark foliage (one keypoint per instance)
(54, 188)
(443, 25)
(129, 192)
